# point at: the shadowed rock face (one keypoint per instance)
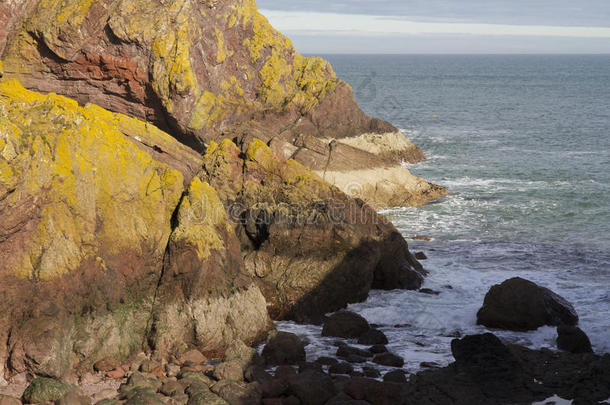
(100, 246)
(207, 70)
(301, 237)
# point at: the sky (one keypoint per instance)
(443, 26)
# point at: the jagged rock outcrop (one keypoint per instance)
(99, 243)
(206, 70)
(302, 237)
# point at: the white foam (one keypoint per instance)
(554, 400)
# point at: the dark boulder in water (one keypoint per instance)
(345, 324)
(519, 304)
(373, 337)
(389, 359)
(572, 339)
(284, 348)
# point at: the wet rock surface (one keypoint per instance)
(519, 304)
(573, 339)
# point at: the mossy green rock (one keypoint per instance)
(46, 389)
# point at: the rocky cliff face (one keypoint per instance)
(90, 258)
(204, 70)
(302, 237)
(115, 237)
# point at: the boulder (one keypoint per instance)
(572, 339)
(175, 67)
(375, 392)
(326, 361)
(486, 360)
(243, 354)
(389, 359)
(421, 256)
(340, 368)
(345, 324)
(106, 364)
(238, 392)
(346, 351)
(397, 376)
(376, 349)
(43, 389)
(192, 356)
(373, 337)
(312, 387)
(229, 370)
(371, 372)
(283, 348)
(519, 304)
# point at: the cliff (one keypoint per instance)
(204, 70)
(115, 238)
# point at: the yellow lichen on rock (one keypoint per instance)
(98, 194)
(199, 214)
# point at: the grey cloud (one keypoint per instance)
(531, 12)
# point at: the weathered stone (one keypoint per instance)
(229, 370)
(371, 372)
(340, 368)
(373, 337)
(192, 356)
(326, 361)
(284, 372)
(344, 399)
(73, 398)
(206, 398)
(345, 351)
(283, 348)
(244, 354)
(376, 349)
(420, 256)
(573, 339)
(238, 392)
(106, 364)
(171, 388)
(519, 304)
(373, 391)
(345, 324)
(389, 359)
(312, 387)
(43, 389)
(396, 376)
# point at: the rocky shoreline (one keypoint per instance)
(174, 177)
(485, 371)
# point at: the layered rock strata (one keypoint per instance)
(203, 70)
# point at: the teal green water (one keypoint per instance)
(522, 143)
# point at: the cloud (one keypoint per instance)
(324, 23)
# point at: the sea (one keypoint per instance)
(522, 143)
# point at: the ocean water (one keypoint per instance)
(522, 143)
